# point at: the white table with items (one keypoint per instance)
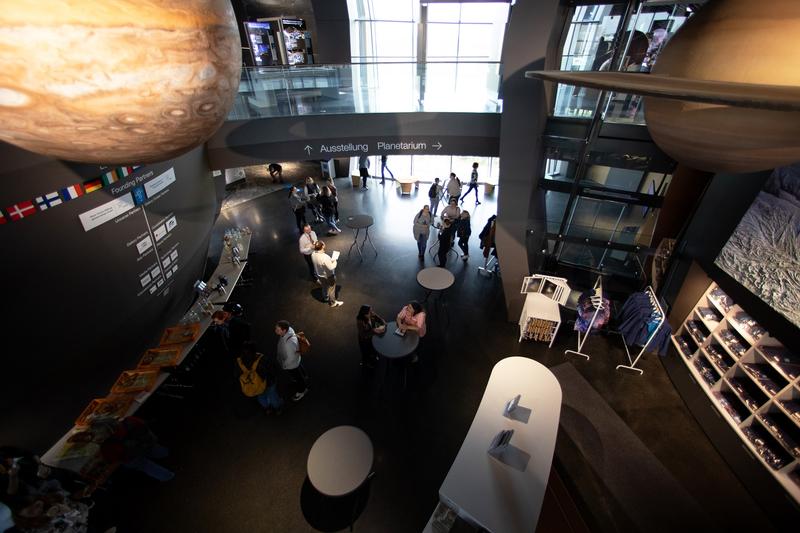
(502, 491)
(59, 456)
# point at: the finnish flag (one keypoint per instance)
(50, 199)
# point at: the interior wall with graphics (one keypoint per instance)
(724, 203)
(82, 305)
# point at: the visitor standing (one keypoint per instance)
(325, 268)
(454, 187)
(487, 236)
(435, 195)
(473, 184)
(446, 236)
(306, 244)
(297, 201)
(258, 378)
(463, 231)
(385, 169)
(363, 170)
(369, 324)
(422, 227)
(452, 211)
(328, 212)
(335, 195)
(275, 171)
(289, 358)
(312, 195)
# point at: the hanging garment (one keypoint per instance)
(587, 305)
(638, 322)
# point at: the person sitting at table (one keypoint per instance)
(412, 318)
(446, 236)
(369, 324)
(452, 211)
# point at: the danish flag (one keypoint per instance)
(21, 210)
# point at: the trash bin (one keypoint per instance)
(356, 180)
(488, 189)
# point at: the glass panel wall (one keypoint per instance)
(587, 46)
(427, 167)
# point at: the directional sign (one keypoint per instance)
(251, 142)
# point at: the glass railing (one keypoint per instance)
(467, 87)
(580, 102)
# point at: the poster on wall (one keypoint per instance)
(763, 254)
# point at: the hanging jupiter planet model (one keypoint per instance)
(724, 94)
(116, 82)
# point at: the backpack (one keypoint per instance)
(252, 384)
(432, 192)
(303, 344)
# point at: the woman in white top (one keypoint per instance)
(452, 212)
(422, 226)
(454, 187)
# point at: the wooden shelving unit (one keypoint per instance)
(750, 378)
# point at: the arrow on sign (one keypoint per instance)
(308, 149)
(438, 145)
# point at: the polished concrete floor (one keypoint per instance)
(238, 470)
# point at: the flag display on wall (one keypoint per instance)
(50, 199)
(71, 192)
(93, 185)
(109, 177)
(21, 210)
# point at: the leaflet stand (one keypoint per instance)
(598, 293)
(656, 306)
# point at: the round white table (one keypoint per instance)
(340, 460)
(435, 278)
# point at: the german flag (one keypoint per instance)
(93, 185)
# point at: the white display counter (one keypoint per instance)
(503, 492)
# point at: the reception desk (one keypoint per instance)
(503, 492)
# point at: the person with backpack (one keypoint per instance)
(435, 195)
(289, 358)
(259, 378)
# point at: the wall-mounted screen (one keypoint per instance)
(763, 254)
